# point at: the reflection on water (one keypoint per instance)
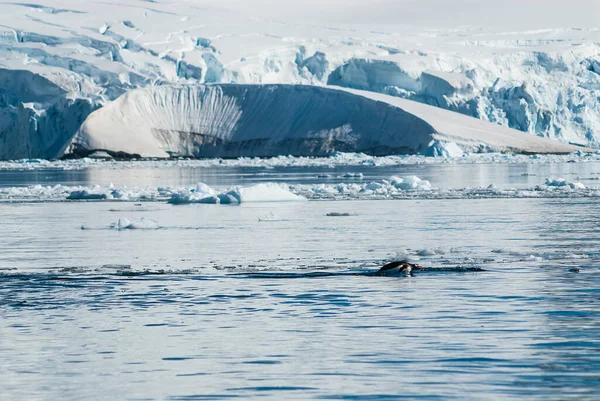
(442, 176)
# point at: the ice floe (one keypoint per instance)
(269, 217)
(265, 192)
(126, 224)
(410, 187)
(338, 159)
(142, 224)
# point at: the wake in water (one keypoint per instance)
(392, 269)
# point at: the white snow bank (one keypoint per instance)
(271, 120)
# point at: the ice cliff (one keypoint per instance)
(537, 72)
(233, 120)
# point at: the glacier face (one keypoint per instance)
(538, 72)
(236, 120)
(37, 120)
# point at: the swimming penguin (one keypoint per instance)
(397, 268)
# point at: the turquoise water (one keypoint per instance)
(215, 304)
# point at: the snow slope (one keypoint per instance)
(533, 66)
(235, 120)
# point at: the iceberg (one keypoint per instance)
(232, 120)
(143, 224)
(265, 192)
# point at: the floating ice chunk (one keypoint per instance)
(85, 194)
(181, 198)
(143, 224)
(562, 183)
(575, 256)
(202, 193)
(269, 217)
(267, 192)
(325, 189)
(203, 189)
(353, 175)
(187, 197)
(230, 198)
(443, 149)
(374, 186)
(100, 154)
(339, 159)
(410, 182)
(122, 224)
(405, 254)
(426, 252)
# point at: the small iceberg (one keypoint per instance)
(143, 224)
(85, 194)
(269, 217)
(562, 183)
(266, 192)
(411, 182)
(443, 149)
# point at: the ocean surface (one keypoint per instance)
(278, 300)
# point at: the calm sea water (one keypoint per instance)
(215, 304)
(440, 175)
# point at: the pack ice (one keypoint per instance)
(536, 71)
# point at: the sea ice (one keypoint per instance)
(410, 187)
(562, 183)
(265, 192)
(269, 217)
(143, 224)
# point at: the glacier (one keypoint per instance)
(537, 71)
(232, 120)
